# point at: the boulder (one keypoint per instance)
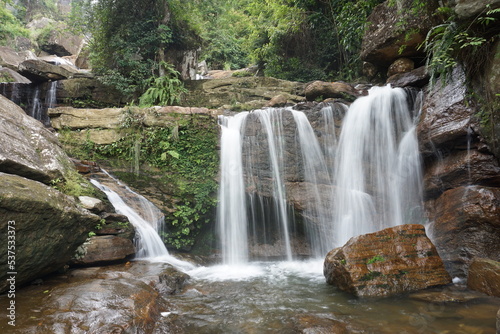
(216, 93)
(12, 59)
(484, 276)
(401, 65)
(466, 9)
(104, 249)
(394, 31)
(172, 281)
(465, 223)
(28, 149)
(418, 77)
(8, 75)
(460, 168)
(61, 42)
(392, 261)
(446, 115)
(324, 90)
(48, 227)
(92, 204)
(38, 71)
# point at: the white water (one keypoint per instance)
(376, 175)
(378, 168)
(231, 212)
(148, 223)
(51, 95)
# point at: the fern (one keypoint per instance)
(164, 90)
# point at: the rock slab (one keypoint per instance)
(389, 262)
(484, 276)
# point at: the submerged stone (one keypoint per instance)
(392, 261)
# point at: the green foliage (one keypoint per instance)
(376, 258)
(11, 27)
(164, 90)
(451, 43)
(129, 39)
(185, 156)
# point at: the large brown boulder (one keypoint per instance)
(47, 226)
(484, 276)
(392, 261)
(396, 30)
(466, 224)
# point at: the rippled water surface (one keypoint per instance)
(287, 297)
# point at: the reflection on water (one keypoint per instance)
(273, 297)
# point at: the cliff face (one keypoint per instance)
(42, 226)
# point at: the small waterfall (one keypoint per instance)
(377, 166)
(36, 105)
(147, 219)
(51, 95)
(231, 212)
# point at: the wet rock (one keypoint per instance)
(324, 90)
(120, 305)
(384, 42)
(392, 261)
(401, 65)
(484, 276)
(85, 166)
(312, 324)
(460, 168)
(28, 149)
(446, 115)
(369, 70)
(446, 296)
(92, 204)
(498, 321)
(49, 226)
(466, 224)
(417, 78)
(39, 71)
(172, 281)
(104, 249)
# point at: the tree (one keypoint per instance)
(129, 39)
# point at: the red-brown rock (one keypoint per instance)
(484, 276)
(392, 261)
(102, 249)
(466, 224)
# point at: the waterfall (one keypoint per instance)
(377, 173)
(51, 95)
(143, 215)
(366, 180)
(231, 211)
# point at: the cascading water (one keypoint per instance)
(377, 165)
(375, 171)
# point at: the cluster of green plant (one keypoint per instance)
(163, 90)
(11, 27)
(186, 158)
(460, 42)
(376, 258)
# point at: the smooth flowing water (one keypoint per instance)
(146, 218)
(366, 180)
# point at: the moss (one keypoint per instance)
(376, 258)
(370, 276)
